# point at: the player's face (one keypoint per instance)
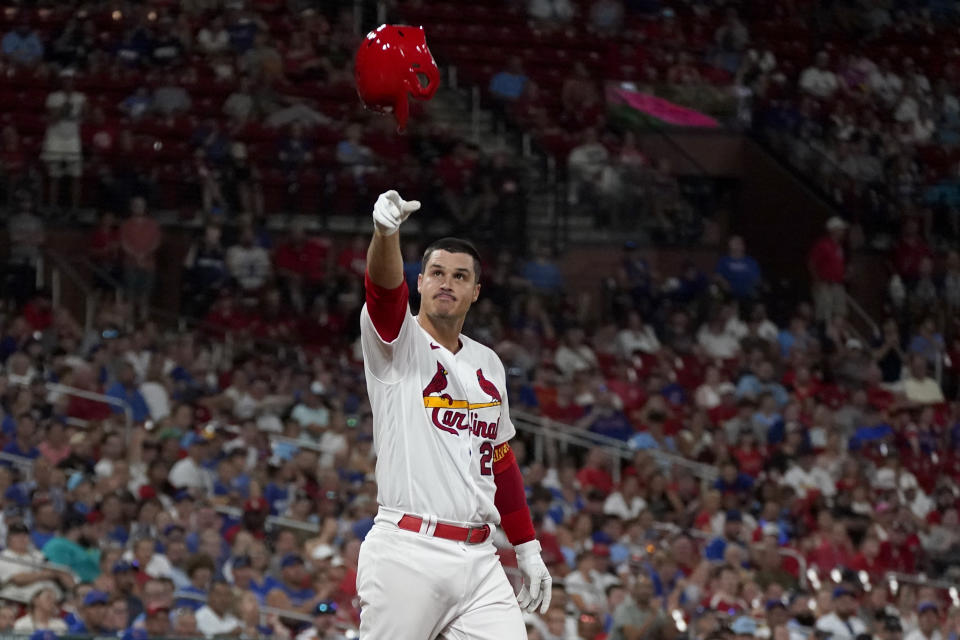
(448, 286)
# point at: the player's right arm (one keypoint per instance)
(386, 289)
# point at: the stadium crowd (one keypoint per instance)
(231, 493)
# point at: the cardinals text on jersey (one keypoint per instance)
(438, 417)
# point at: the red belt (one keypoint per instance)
(470, 535)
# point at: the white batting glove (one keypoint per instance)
(390, 211)
(537, 583)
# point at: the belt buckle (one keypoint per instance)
(484, 530)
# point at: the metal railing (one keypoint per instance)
(561, 437)
(272, 521)
(97, 397)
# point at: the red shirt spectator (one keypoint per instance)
(910, 251)
(827, 261)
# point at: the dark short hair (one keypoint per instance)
(452, 245)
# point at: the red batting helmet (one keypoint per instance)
(388, 68)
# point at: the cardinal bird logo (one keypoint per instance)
(488, 387)
(437, 384)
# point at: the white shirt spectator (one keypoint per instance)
(210, 624)
(10, 566)
(815, 479)
(27, 625)
(916, 634)
(630, 341)
(187, 474)
(550, 9)
(572, 360)
(821, 83)
(305, 416)
(720, 345)
(840, 630)
(592, 588)
(616, 505)
(157, 567)
(157, 399)
(213, 40)
(886, 85)
(249, 265)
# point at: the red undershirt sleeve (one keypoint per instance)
(387, 307)
(510, 499)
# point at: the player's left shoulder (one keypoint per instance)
(482, 354)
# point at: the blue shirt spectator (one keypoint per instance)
(125, 389)
(755, 385)
(22, 45)
(732, 526)
(509, 83)
(738, 271)
(542, 273)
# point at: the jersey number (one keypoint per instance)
(486, 459)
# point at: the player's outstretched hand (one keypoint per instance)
(390, 211)
(537, 583)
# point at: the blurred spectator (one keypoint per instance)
(506, 87)
(43, 613)
(140, 237)
(21, 45)
(213, 38)
(206, 271)
(738, 273)
(639, 617)
(731, 39)
(92, 616)
(22, 572)
(125, 389)
(27, 237)
(262, 62)
(606, 16)
(818, 80)
(586, 164)
(550, 14)
(842, 622)
(169, 98)
(216, 618)
(249, 264)
(61, 143)
(827, 263)
(239, 105)
(918, 386)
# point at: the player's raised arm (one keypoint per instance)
(386, 289)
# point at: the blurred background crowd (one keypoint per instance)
(710, 451)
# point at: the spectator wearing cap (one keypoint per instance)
(157, 620)
(22, 568)
(928, 619)
(25, 440)
(245, 576)
(253, 521)
(125, 583)
(639, 616)
(716, 550)
(290, 584)
(890, 628)
(842, 623)
(216, 618)
(827, 264)
(92, 614)
(43, 612)
(188, 473)
(311, 413)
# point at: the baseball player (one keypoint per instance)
(445, 474)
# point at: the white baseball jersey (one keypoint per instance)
(437, 417)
